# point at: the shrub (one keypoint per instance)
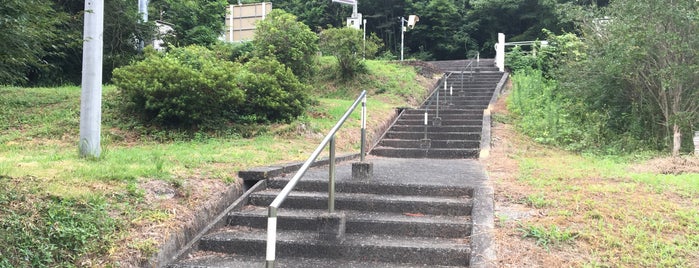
(273, 93)
(187, 87)
(291, 42)
(236, 52)
(346, 45)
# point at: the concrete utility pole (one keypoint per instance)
(91, 96)
(143, 10)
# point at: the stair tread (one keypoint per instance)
(292, 237)
(367, 196)
(206, 259)
(358, 216)
(428, 149)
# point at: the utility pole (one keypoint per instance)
(364, 38)
(143, 10)
(91, 96)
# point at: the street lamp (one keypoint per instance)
(412, 19)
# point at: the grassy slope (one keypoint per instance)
(601, 211)
(39, 164)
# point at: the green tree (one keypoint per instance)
(638, 75)
(194, 22)
(291, 42)
(654, 49)
(57, 46)
(317, 14)
(347, 46)
(28, 28)
(439, 31)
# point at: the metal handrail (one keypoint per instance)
(330, 138)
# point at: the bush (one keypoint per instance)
(235, 52)
(187, 87)
(273, 93)
(291, 42)
(346, 45)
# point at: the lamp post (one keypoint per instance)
(402, 36)
(412, 19)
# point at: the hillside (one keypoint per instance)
(61, 210)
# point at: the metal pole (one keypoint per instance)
(91, 94)
(363, 141)
(402, 36)
(425, 123)
(437, 115)
(331, 183)
(271, 237)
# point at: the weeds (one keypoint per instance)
(548, 236)
(47, 231)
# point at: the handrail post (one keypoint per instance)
(284, 193)
(362, 148)
(331, 182)
(271, 236)
(437, 112)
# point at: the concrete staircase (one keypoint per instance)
(397, 219)
(411, 213)
(455, 130)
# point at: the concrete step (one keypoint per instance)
(445, 112)
(445, 117)
(217, 260)
(371, 248)
(452, 206)
(462, 98)
(434, 144)
(459, 96)
(418, 225)
(440, 153)
(309, 184)
(421, 122)
(430, 128)
(474, 136)
(447, 104)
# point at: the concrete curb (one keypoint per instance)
(172, 247)
(483, 254)
(181, 244)
(487, 119)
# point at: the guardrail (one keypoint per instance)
(329, 139)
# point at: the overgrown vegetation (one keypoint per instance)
(350, 49)
(624, 87)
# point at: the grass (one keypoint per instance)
(609, 214)
(41, 172)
